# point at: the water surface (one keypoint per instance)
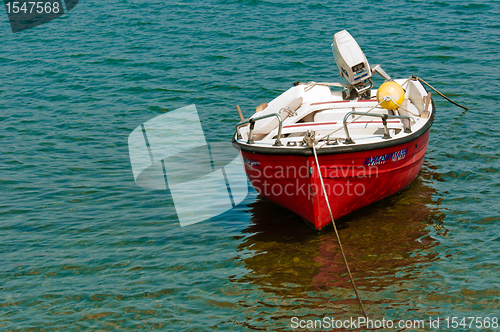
(83, 247)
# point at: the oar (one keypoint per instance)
(239, 112)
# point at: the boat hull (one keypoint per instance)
(352, 179)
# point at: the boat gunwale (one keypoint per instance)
(347, 148)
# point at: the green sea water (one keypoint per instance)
(82, 247)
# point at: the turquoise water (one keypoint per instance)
(83, 247)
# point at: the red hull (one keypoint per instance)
(352, 180)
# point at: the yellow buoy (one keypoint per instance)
(394, 91)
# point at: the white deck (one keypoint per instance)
(322, 111)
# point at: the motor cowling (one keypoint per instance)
(350, 59)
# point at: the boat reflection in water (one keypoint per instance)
(386, 244)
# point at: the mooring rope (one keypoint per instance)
(337, 233)
(439, 93)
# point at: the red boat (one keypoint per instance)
(316, 151)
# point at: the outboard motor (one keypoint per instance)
(354, 67)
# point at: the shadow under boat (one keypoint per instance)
(387, 236)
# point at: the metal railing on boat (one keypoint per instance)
(348, 140)
(252, 125)
(384, 122)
